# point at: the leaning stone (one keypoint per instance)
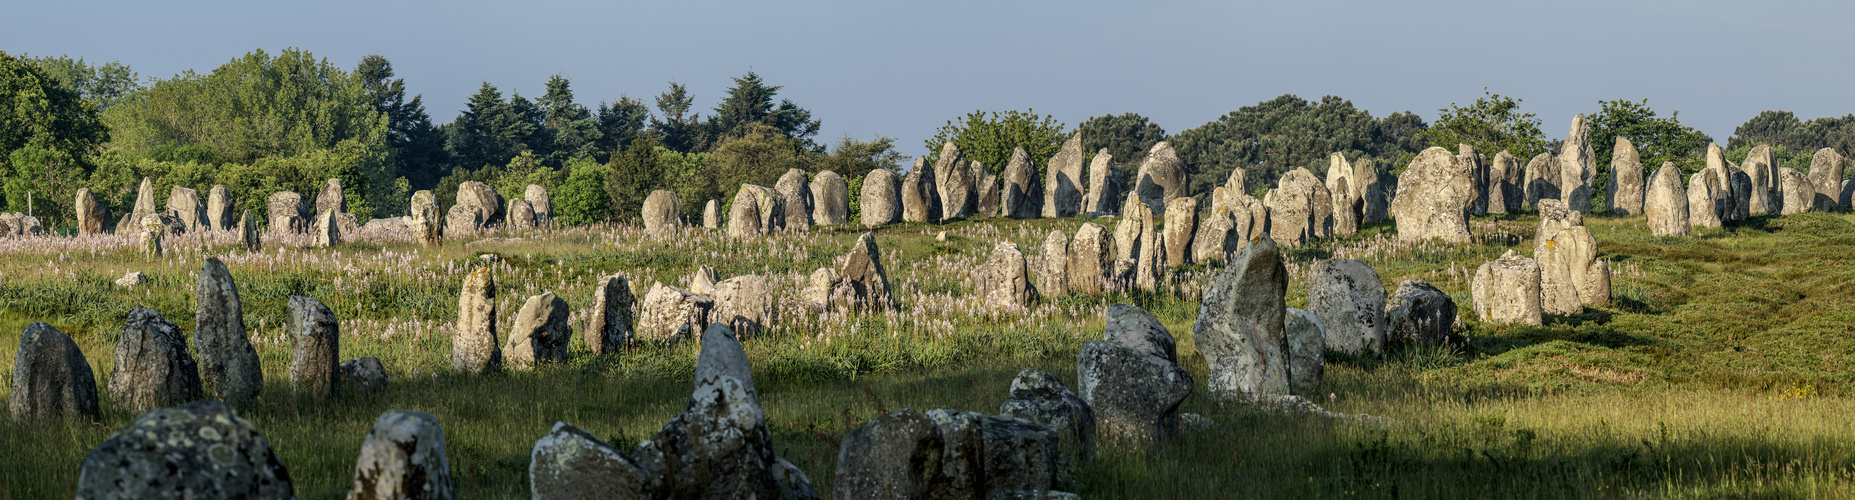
(1433, 198)
(1419, 314)
(51, 378)
(832, 198)
(798, 195)
(403, 457)
(880, 199)
(363, 374)
(1133, 392)
(1038, 396)
(1507, 290)
(1240, 323)
(703, 281)
(1577, 166)
(473, 341)
(865, 283)
(315, 364)
(198, 450)
(670, 314)
(91, 214)
(1020, 199)
(1350, 301)
(663, 212)
(153, 368)
(1091, 260)
(1665, 204)
(747, 304)
(541, 333)
(1161, 178)
(609, 317)
(1062, 186)
(572, 464)
(1307, 345)
(229, 365)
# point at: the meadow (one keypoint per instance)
(1721, 369)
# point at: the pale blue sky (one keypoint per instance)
(902, 69)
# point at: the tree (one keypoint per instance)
(1287, 132)
(619, 122)
(750, 101)
(572, 128)
(418, 146)
(854, 159)
(581, 198)
(1656, 139)
(989, 138)
(1126, 136)
(678, 129)
(47, 133)
(491, 130)
(103, 85)
(1491, 124)
(1782, 128)
(630, 178)
(758, 156)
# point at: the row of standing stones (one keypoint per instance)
(1260, 352)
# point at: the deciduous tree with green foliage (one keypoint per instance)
(1126, 136)
(1656, 139)
(989, 137)
(47, 133)
(103, 85)
(1493, 123)
(1783, 128)
(1280, 134)
(758, 156)
(581, 198)
(854, 158)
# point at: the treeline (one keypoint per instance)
(263, 123)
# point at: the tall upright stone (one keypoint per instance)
(423, 218)
(315, 335)
(831, 196)
(1161, 178)
(1433, 198)
(91, 214)
(144, 201)
(473, 339)
(403, 456)
(330, 199)
(541, 333)
(1826, 176)
(1062, 186)
(1340, 171)
(986, 192)
(953, 184)
(1627, 189)
(1150, 260)
(1704, 194)
(1091, 260)
(1217, 236)
(1542, 179)
(1571, 275)
(1181, 222)
(1507, 290)
(792, 186)
(541, 202)
(51, 378)
(663, 212)
(1300, 209)
(219, 209)
(1020, 198)
(1240, 326)
(184, 204)
(248, 231)
(920, 197)
(1478, 171)
(609, 318)
(1760, 167)
(327, 230)
(1005, 278)
(153, 368)
(1577, 166)
(1237, 183)
(521, 215)
(1136, 220)
(1370, 194)
(711, 214)
(1665, 203)
(1345, 220)
(1797, 192)
(1131, 380)
(1053, 272)
(1101, 193)
(879, 200)
(228, 363)
(1350, 301)
(1503, 174)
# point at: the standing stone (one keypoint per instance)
(954, 181)
(711, 215)
(1703, 196)
(328, 230)
(1136, 220)
(895, 456)
(1848, 194)
(1478, 171)
(1149, 260)
(403, 457)
(473, 340)
(992, 457)
(1507, 290)
(1237, 183)
(1217, 237)
(248, 232)
(1370, 193)
(51, 378)
(521, 215)
(756, 211)
(1240, 325)
(424, 219)
(1131, 380)
(541, 333)
(144, 201)
(330, 199)
(1731, 196)
(1091, 260)
(153, 368)
(703, 280)
(91, 215)
(1053, 274)
(315, 361)
(1571, 275)
(1350, 301)
(184, 204)
(1577, 166)
(1740, 185)
(198, 450)
(218, 209)
(818, 288)
(1300, 209)
(663, 212)
(287, 213)
(539, 200)
(1826, 176)
(1161, 178)
(1554, 216)
(1798, 192)
(1040, 397)
(865, 281)
(228, 363)
(1181, 221)
(1307, 345)
(608, 318)
(748, 304)
(1101, 193)
(478, 207)
(920, 197)
(1345, 220)
(570, 463)
(1500, 183)
(987, 192)
(670, 314)
(1542, 179)
(1340, 174)
(1419, 314)
(363, 374)
(1433, 198)
(879, 202)
(1626, 190)
(832, 198)
(1020, 199)
(1005, 277)
(798, 195)
(1062, 186)
(1665, 204)
(1759, 166)
(152, 232)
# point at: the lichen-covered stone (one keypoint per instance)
(1005, 277)
(1062, 187)
(1665, 203)
(609, 318)
(1239, 327)
(473, 341)
(315, 361)
(153, 368)
(1038, 396)
(831, 198)
(1161, 178)
(662, 212)
(1420, 314)
(541, 333)
(1349, 298)
(1133, 390)
(1433, 198)
(1507, 290)
(879, 201)
(51, 378)
(228, 363)
(363, 374)
(569, 463)
(1307, 345)
(403, 457)
(199, 450)
(669, 314)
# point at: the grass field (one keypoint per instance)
(1722, 369)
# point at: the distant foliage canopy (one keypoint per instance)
(1281, 134)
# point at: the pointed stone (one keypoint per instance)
(865, 281)
(1102, 189)
(473, 341)
(248, 231)
(1577, 166)
(1665, 203)
(1161, 178)
(920, 197)
(711, 215)
(1062, 186)
(1627, 189)
(1020, 199)
(229, 365)
(51, 378)
(540, 334)
(144, 200)
(1240, 325)
(330, 199)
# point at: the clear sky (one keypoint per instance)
(902, 69)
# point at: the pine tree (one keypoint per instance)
(678, 129)
(419, 154)
(632, 176)
(619, 123)
(572, 128)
